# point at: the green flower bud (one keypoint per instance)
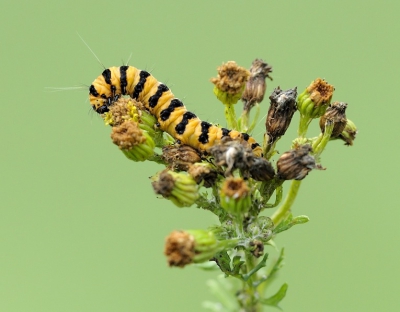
(193, 246)
(348, 135)
(180, 188)
(136, 144)
(235, 196)
(230, 82)
(313, 102)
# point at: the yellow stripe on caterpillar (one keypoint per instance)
(171, 114)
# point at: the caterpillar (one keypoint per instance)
(171, 113)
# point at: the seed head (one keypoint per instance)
(336, 113)
(180, 157)
(256, 86)
(280, 113)
(296, 164)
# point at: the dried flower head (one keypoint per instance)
(180, 157)
(280, 113)
(179, 248)
(232, 154)
(296, 163)
(336, 113)
(230, 82)
(203, 172)
(313, 102)
(127, 135)
(135, 143)
(256, 86)
(193, 246)
(261, 169)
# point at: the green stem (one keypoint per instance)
(256, 116)
(319, 146)
(303, 126)
(230, 116)
(280, 214)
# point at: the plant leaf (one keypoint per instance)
(275, 299)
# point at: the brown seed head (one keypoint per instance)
(231, 78)
(296, 164)
(336, 113)
(320, 92)
(127, 135)
(261, 169)
(256, 86)
(180, 157)
(179, 248)
(280, 113)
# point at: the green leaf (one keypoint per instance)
(275, 299)
(224, 262)
(289, 222)
(260, 265)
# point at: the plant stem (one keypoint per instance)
(303, 126)
(230, 116)
(280, 214)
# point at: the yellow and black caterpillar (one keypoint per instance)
(172, 115)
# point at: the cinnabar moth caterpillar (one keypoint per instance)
(172, 115)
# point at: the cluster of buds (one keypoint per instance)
(229, 180)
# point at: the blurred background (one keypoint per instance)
(80, 227)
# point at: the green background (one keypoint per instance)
(80, 227)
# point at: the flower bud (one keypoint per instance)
(180, 157)
(257, 248)
(348, 135)
(296, 163)
(256, 86)
(136, 144)
(280, 113)
(336, 113)
(313, 102)
(235, 196)
(179, 188)
(230, 82)
(203, 172)
(194, 246)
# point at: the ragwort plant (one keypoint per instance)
(224, 171)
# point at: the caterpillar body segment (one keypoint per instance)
(171, 113)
